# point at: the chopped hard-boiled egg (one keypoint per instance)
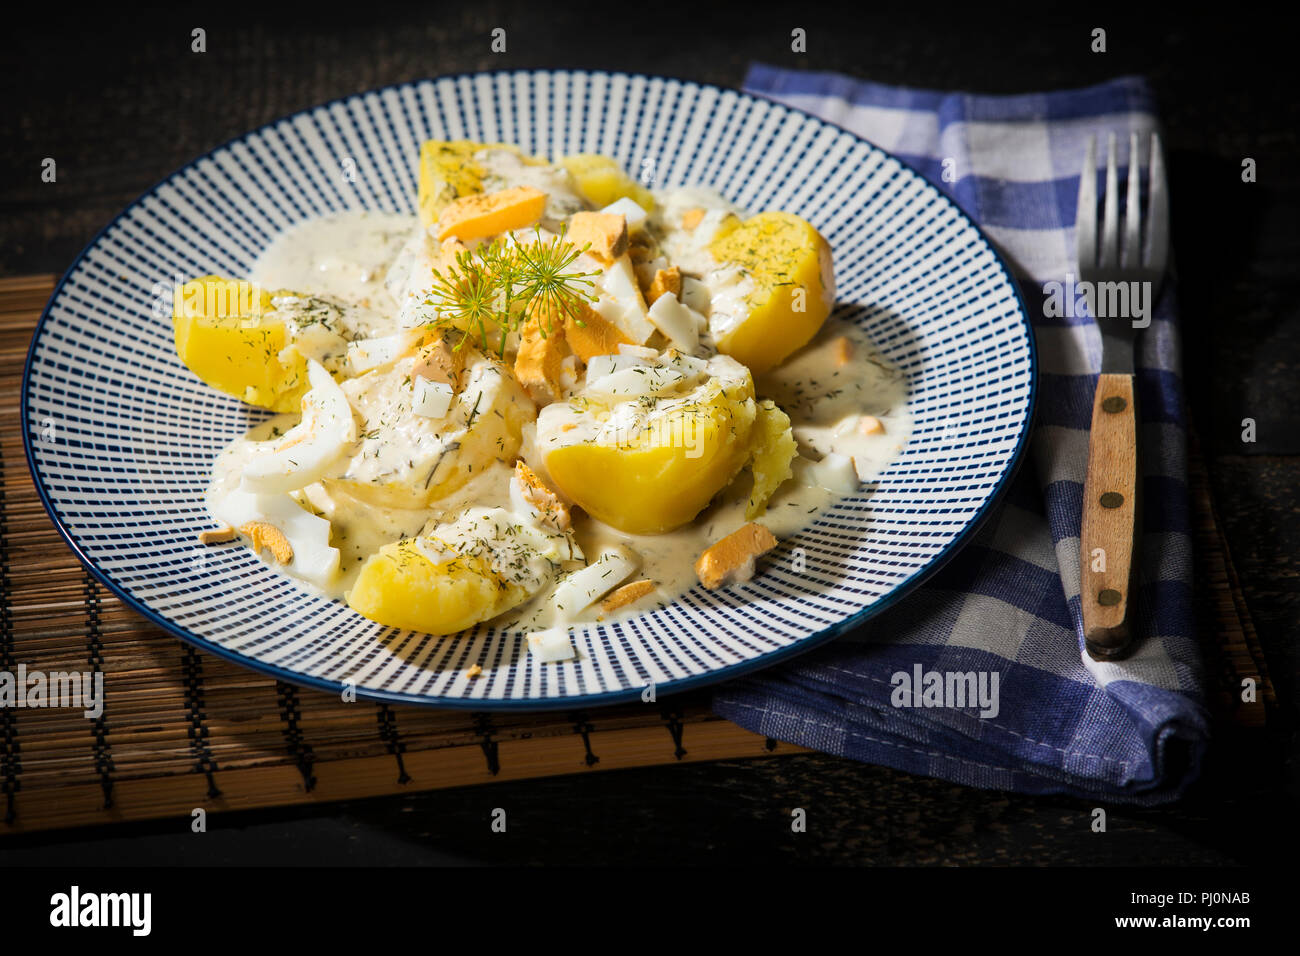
(584, 587)
(834, 472)
(679, 324)
(633, 214)
(732, 559)
(299, 539)
(551, 645)
(368, 354)
(602, 366)
(635, 382)
(621, 302)
(431, 399)
(599, 234)
(489, 214)
(529, 495)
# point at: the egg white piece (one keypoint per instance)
(695, 295)
(551, 645)
(585, 586)
(317, 328)
(691, 367)
(639, 351)
(600, 366)
(367, 354)
(679, 323)
(431, 399)
(411, 272)
(834, 472)
(314, 560)
(630, 210)
(309, 450)
(620, 301)
(635, 383)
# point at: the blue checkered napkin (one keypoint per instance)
(1133, 730)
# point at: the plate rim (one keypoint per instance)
(673, 687)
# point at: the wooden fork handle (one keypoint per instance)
(1108, 539)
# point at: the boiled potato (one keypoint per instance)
(601, 181)
(400, 587)
(473, 568)
(794, 287)
(774, 450)
(667, 473)
(230, 338)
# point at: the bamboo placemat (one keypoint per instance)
(183, 730)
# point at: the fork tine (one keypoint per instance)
(1085, 220)
(1130, 256)
(1158, 215)
(1109, 255)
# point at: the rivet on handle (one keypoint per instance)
(1114, 404)
(1112, 499)
(1108, 598)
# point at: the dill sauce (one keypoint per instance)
(347, 255)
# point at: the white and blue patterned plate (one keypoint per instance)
(121, 437)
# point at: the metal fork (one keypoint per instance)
(1121, 282)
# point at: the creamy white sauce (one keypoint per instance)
(826, 401)
(669, 559)
(347, 257)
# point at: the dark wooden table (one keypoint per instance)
(120, 101)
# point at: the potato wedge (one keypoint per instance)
(601, 181)
(774, 450)
(230, 338)
(400, 587)
(462, 572)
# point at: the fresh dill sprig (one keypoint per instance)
(469, 294)
(505, 283)
(550, 291)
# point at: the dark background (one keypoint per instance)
(119, 101)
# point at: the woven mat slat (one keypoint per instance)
(182, 729)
